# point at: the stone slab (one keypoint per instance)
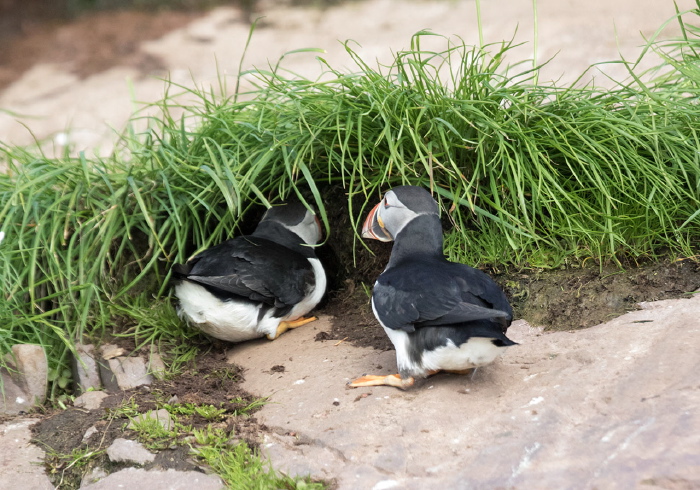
(615, 406)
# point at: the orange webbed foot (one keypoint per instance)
(284, 326)
(389, 380)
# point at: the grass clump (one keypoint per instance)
(220, 448)
(528, 174)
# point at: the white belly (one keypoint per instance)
(476, 352)
(312, 299)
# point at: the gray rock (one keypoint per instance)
(25, 380)
(126, 450)
(86, 373)
(93, 476)
(91, 400)
(108, 378)
(32, 365)
(21, 465)
(161, 416)
(13, 399)
(134, 478)
(156, 366)
(613, 406)
(123, 373)
(89, 433)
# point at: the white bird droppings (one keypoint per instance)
(535, 401)
(300, 382)
(385, 484)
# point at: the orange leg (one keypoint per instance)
(389, 380)
(284, 326)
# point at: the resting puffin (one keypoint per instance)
(440, 315)
(258, 284)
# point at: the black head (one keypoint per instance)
(297, 218)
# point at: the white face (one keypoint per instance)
(309, 229)
(392, 215)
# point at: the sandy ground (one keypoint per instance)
(50, 101)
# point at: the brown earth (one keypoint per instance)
(90, 44)
(209, 380)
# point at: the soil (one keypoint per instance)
(209, 380)
(114, 39)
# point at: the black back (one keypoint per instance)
(270, 266)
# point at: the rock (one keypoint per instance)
(92, 430)
(13, 399)
(126, 450)
(25, 380)
(93, 476)
(156, 366)
(110, 351)
(613, 406)
(91, 400)
(86, 373)
(158, 480)
(161, 416)
(21, 463)
(123, 373)
(33, 367)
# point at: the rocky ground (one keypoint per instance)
(611, 406)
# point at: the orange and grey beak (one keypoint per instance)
(374, 227)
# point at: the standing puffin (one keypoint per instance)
(440, 315)
(258, 284)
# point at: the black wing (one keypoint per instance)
(251, 267)
(440, 293)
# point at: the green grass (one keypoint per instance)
(530, 175)
(234, 461)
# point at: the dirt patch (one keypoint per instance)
(579, 298)
(208, 381)
(557, 300)
(92, 43)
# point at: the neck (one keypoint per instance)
(421, 237)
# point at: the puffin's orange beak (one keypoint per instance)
(374, 228)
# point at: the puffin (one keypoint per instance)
(255, 285)
(440, 315)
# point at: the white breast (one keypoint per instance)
(476, 352)
(312, 299)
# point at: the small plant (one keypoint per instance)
(155, 436)
(241, 470)
(76, 459)
(126, 409)
(208, 412)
